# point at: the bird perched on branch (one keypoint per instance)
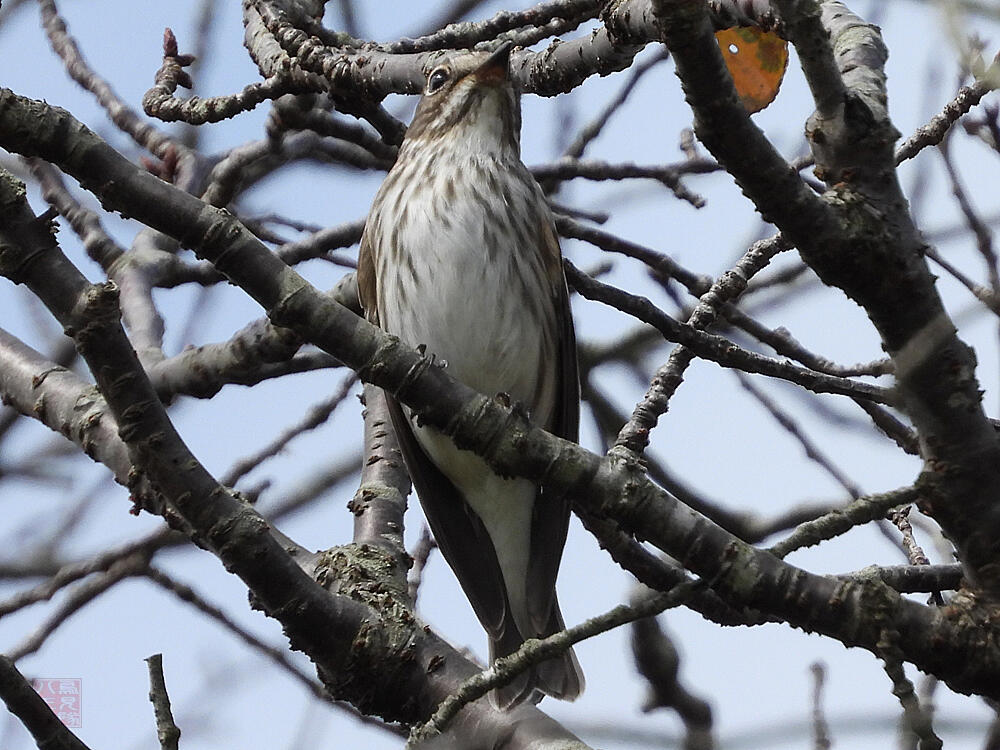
(460, 255)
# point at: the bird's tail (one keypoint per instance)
(560, 677)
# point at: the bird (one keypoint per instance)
(460, 258)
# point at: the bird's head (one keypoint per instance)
(470, 98)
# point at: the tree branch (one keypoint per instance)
(503, 436)
(167, 731)
(407, 669)
(851, 237)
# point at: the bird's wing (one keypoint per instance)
(457, 530)
(367, 280)
(551, 511)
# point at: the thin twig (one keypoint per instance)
(861, 511)
(634, 436)
(934, 131)
(717, 349)
(167, 731)
(80, 597)
(421, 553)
(592, 129)
(279, 656)
(314, 417)
(658, 661)
(821, 730)
(916, 719)
(812, 451)
(914, 553)
(122, 115)
(534, 652)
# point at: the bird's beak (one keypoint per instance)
(496, 68)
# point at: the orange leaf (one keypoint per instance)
(756, 60)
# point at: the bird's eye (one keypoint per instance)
(437, 79)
